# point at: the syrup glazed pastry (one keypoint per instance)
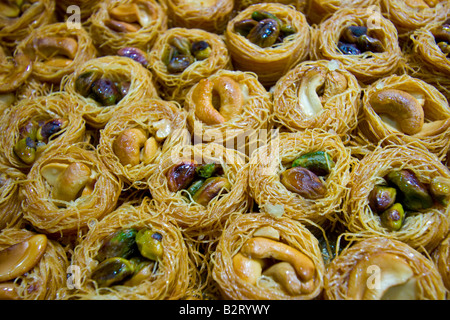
(226, 106)
(68, 187)
(10, 201)
(318, 10)
(402, 273)
(297, 4)
(363, 40)
(263, 257)
(133, 254)
(38, 124)
(200, 186)
(16, 68)
(268, 39)
(19, 17)
(57, 50)
(441, 256)
(405, 110)
(211, 15)
(182, 57)
(401, 193)
(304, 174)
(428, 57)
(410, 15)
(134, 140)
(127, 23)
(317, 94)
(106, 84)
(32, 267)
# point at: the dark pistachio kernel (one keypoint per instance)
(265, 34)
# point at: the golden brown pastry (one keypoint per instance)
(16, 68)
(260, 257)
(268, 39)
(10, 203)
(441, 256)
(317, 94)
(127, 23)
(318, 10)
(382, 269)
(211, 15)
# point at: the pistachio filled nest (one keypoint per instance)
(181, 57)
(228, 107)
(133, 254)
(268, 39)
(428, 55)
(106, 84)
(127, 23)
(57, 50)
(317, 94)
(35, 125)
(134, 139)
(401, 273)
(68, 187)
(413, 209)
(41, 275)
(363, 40)
(301, 175)
(263, 257)
(200, 186)
(403, 110)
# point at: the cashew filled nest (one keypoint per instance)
(395, 264)
(44, 260)
(317, 94)
(294, 267)
(134, 140)
(68, 187)
(403, 110)
(228, 106)
(119, 24)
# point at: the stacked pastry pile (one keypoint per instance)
(224, 149)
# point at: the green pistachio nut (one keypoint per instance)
(393, 217)
(381, 198)
(265, 34)
(121, 243)
(319, 162)
(112, 271)
(440, 190)
(149, 244)
(414, 195)
(210, 189)
(25, 150)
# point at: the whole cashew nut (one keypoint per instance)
(132, 146)
(284, 274)
(403, 107)
(308, 98)
(52, 46)
(247, 269)
(260, 248)
(231, 100)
